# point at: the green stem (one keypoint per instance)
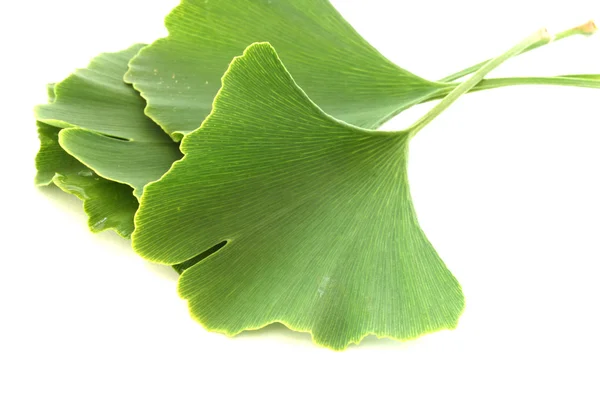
(585, 81)
(583, 76)
(585, 29)
(475, 79)
(555, 80)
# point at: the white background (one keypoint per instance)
(505, 184)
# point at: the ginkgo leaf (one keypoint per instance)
(96, 98)
(109, 205)
(105, 135)
(133, 162)
(51, 158)
(180, 75)
(105, 126)
(315, 215)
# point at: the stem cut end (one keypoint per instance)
(588, 28)
(544, 35)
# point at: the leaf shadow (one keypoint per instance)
(64, 201)
(373, 342)
(70, 204)
(276, 331)
(162, 271)
(279, 332)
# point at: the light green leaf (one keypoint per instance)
(349, 79)
(133, 162)
(320, 230)
(105, 126)
(95, 98)
(180, 75)
(51, 158)
(109, 205)
(106, 135)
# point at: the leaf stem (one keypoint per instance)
(585, 29)
(584, 81)
(475, 79)
(553, 80)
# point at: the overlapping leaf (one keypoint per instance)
(180, 75)
(109, 205)
(283, 209)
(106, 130)
(316, 214)
(105, 127)
(98, 144)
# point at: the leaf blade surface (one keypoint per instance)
(320, 228)
(338, 69)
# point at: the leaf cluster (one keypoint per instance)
(243, 149)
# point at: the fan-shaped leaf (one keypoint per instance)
(109, 205)
(316, 215)
(180, 75)
(105, 126)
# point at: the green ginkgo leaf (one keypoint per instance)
(96, 98)
(180, 75)
(106, 130)
(109, 205)
(133, 162)
(104, 124)
(315, 215)
(97, 144)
